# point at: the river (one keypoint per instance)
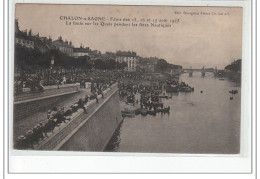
(206, 123)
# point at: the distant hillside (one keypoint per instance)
(234, 66)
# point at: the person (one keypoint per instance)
(36, 134)
(49, 126)
(40, 127)
(86, 99)
(81, 105)
(68, 112)
(21, 143)
(59, 116)
(63, 80)
(29, 137)
(20, 87)
(40, 86)
(49, 114)
(74, 107)
(96, 96)
(16, 88)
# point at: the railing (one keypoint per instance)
(48, 91)
(61, 135)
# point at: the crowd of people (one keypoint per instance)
(56, 116)
(100, 80)
(36, 80)
(149, 95)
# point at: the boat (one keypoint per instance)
(186, 89)
(151, 112)
(138, 111)
(164, 96)
(143, 112)
(172, 88)
(157, 104)
(164, 110)
(128, 113)
(233, 92)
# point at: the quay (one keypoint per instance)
(28, 103)
(48, 91)
(87, 132)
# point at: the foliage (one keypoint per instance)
(108, 64)
(162, 65)
(25, 57)
(234, 66)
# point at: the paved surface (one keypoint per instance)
(50, 90)
(20, 127)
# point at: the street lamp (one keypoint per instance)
(52, 61)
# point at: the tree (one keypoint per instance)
(98, 64)
(162, 65)
(85, 62)
(234, 66)
(121, 65)
(110, 64)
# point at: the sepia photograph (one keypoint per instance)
(127, 78)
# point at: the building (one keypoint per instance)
(128, 57)
(80, 52)
(22, 38)
(95, 54)
(63, 46)
(24, 42)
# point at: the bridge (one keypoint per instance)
(202, 70)
(186, 70)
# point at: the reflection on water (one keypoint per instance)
(205, 121)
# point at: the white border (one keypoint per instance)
(139, 162)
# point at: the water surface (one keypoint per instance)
(207, 122)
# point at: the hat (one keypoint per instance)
(40, 124)
(29, 132)
(21, 137)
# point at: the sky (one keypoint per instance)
(196, 39)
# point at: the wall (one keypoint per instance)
(98, 130)
(29, 103)
(48, 91)
(91, 131)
